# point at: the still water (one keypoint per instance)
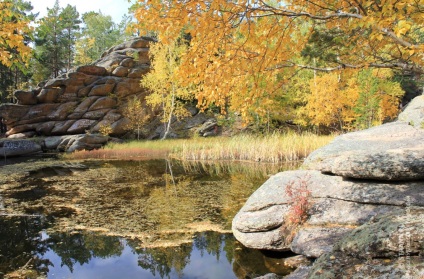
(129, 219)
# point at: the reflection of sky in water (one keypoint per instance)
(201, 265)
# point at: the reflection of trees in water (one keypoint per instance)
(20, 243)
(214, 243)
(81, 248)
(153, 200)
(163, 260)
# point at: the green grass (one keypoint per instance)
(271, 149)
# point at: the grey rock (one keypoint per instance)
(313, 242)
(261, 222)
(85, 104)
(269, 276)
(391, 151)
(208, 128)
(11, 148)
(52, 142)
(337, 264)
(300, 273)
(73, 143)
(387, 236)
(414, 113)
(81, 126)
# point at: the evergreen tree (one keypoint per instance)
(70, 23)
(56, 35)
(99, 34)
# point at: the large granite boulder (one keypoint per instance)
(363, 205)
(389, 246)
(392, 151)
(82, 99)
(337, 206)
(414, 113)
(73, 143)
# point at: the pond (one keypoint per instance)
(128, 219)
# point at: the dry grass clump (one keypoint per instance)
(270, 148)
(125, 154)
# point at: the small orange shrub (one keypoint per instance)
(299, 200)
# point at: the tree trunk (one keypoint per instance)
(171, 112)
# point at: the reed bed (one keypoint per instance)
(274, 148)
(270, 149)
(125, 154)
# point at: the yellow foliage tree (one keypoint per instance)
(237, 45)
(164, 82)
(136, 113)
(353, 99)
(328, 102)
(13, 27)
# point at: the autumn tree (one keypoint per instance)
(164, 81)
(353, 99)
(236, 46)
(136, 113)
(14, 26)
(15, 37)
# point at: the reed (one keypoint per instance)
(270, 149)
(274, 148)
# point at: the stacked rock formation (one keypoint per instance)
(83, 99)
(366, 213)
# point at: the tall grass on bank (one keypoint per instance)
(270, 148)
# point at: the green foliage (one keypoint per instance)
(378, 99)
(99, 34)
(54, 43)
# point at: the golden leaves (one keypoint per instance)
(240, 54)
(13, 27)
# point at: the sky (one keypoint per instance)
(114, 8)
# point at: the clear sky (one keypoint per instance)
(114, 8)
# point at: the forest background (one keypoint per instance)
(321, 65)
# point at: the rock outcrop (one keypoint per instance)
(365, 197)
(86, 98)
(69, 143)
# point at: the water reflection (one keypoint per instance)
(125, 219)
(93, 255)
